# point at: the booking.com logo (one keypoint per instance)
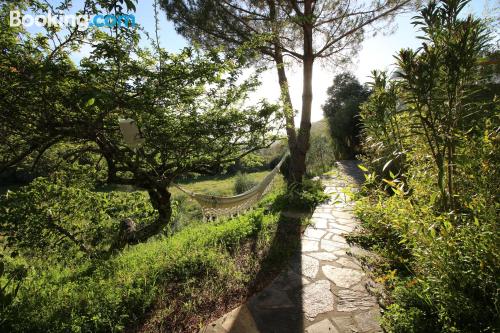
(83, 22)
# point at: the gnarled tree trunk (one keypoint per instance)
(129, 234)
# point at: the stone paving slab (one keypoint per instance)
(323, 288)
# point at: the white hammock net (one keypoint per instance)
(214, 206)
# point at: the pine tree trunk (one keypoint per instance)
(287, 101)
(302, 146)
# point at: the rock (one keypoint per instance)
(309, 245)
(338, 239)
(345, 324)
(321, 215)
(289, 280)
(338, 226)
(350, 300)
(319, 222)
(314, 233)
(307, 266)
(324, 326)
(342, 277)
(239, 320)
(214, 327)
(317, 298)
(326, 256)
(368, 321)
(328, 235)
(272, 298)
(328, 245)
(342, 215)
(349, 262)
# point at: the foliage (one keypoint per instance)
(11, 277)
(434, 214)
(342, 111)
(303, 196)
(51, 220)
(106, 295)
(439, 84)
(385, 139)
(304, 30)
(193, 101)
(243, 183)
(321, 155)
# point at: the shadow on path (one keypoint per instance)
(322, 287)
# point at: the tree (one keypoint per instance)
(342, 109)
(303, 30)
(189, 107)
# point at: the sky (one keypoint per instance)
(376, 53)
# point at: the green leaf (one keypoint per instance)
(390, 182)
(362, 167)
(90, 102)
(476, 221)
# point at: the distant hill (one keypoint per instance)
(320, 127)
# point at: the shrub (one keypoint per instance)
(305, 196)
(46, 218)
(243, 183)
(342, 112)
(446, 274)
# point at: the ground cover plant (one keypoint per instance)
(430, 205)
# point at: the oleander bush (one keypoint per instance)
(430, 204)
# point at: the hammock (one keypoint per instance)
(214, 206)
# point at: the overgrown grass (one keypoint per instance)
(169, 283)
(188, 210)
(219, 185)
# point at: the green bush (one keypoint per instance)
(104, 296)
(342, 109)
(243, 183)
(64, 292)
(305, 196)
(446, 273)
(51, 219)
(321, 155)
(431, 208)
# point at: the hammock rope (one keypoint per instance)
(215, 206)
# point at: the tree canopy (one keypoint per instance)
(191, 108)
(341, 109)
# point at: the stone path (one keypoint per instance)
(323, 288)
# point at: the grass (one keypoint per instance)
(216, 185)
(173, 284)
(182, 278)
(188, 210)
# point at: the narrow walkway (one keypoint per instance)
(323, 289)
